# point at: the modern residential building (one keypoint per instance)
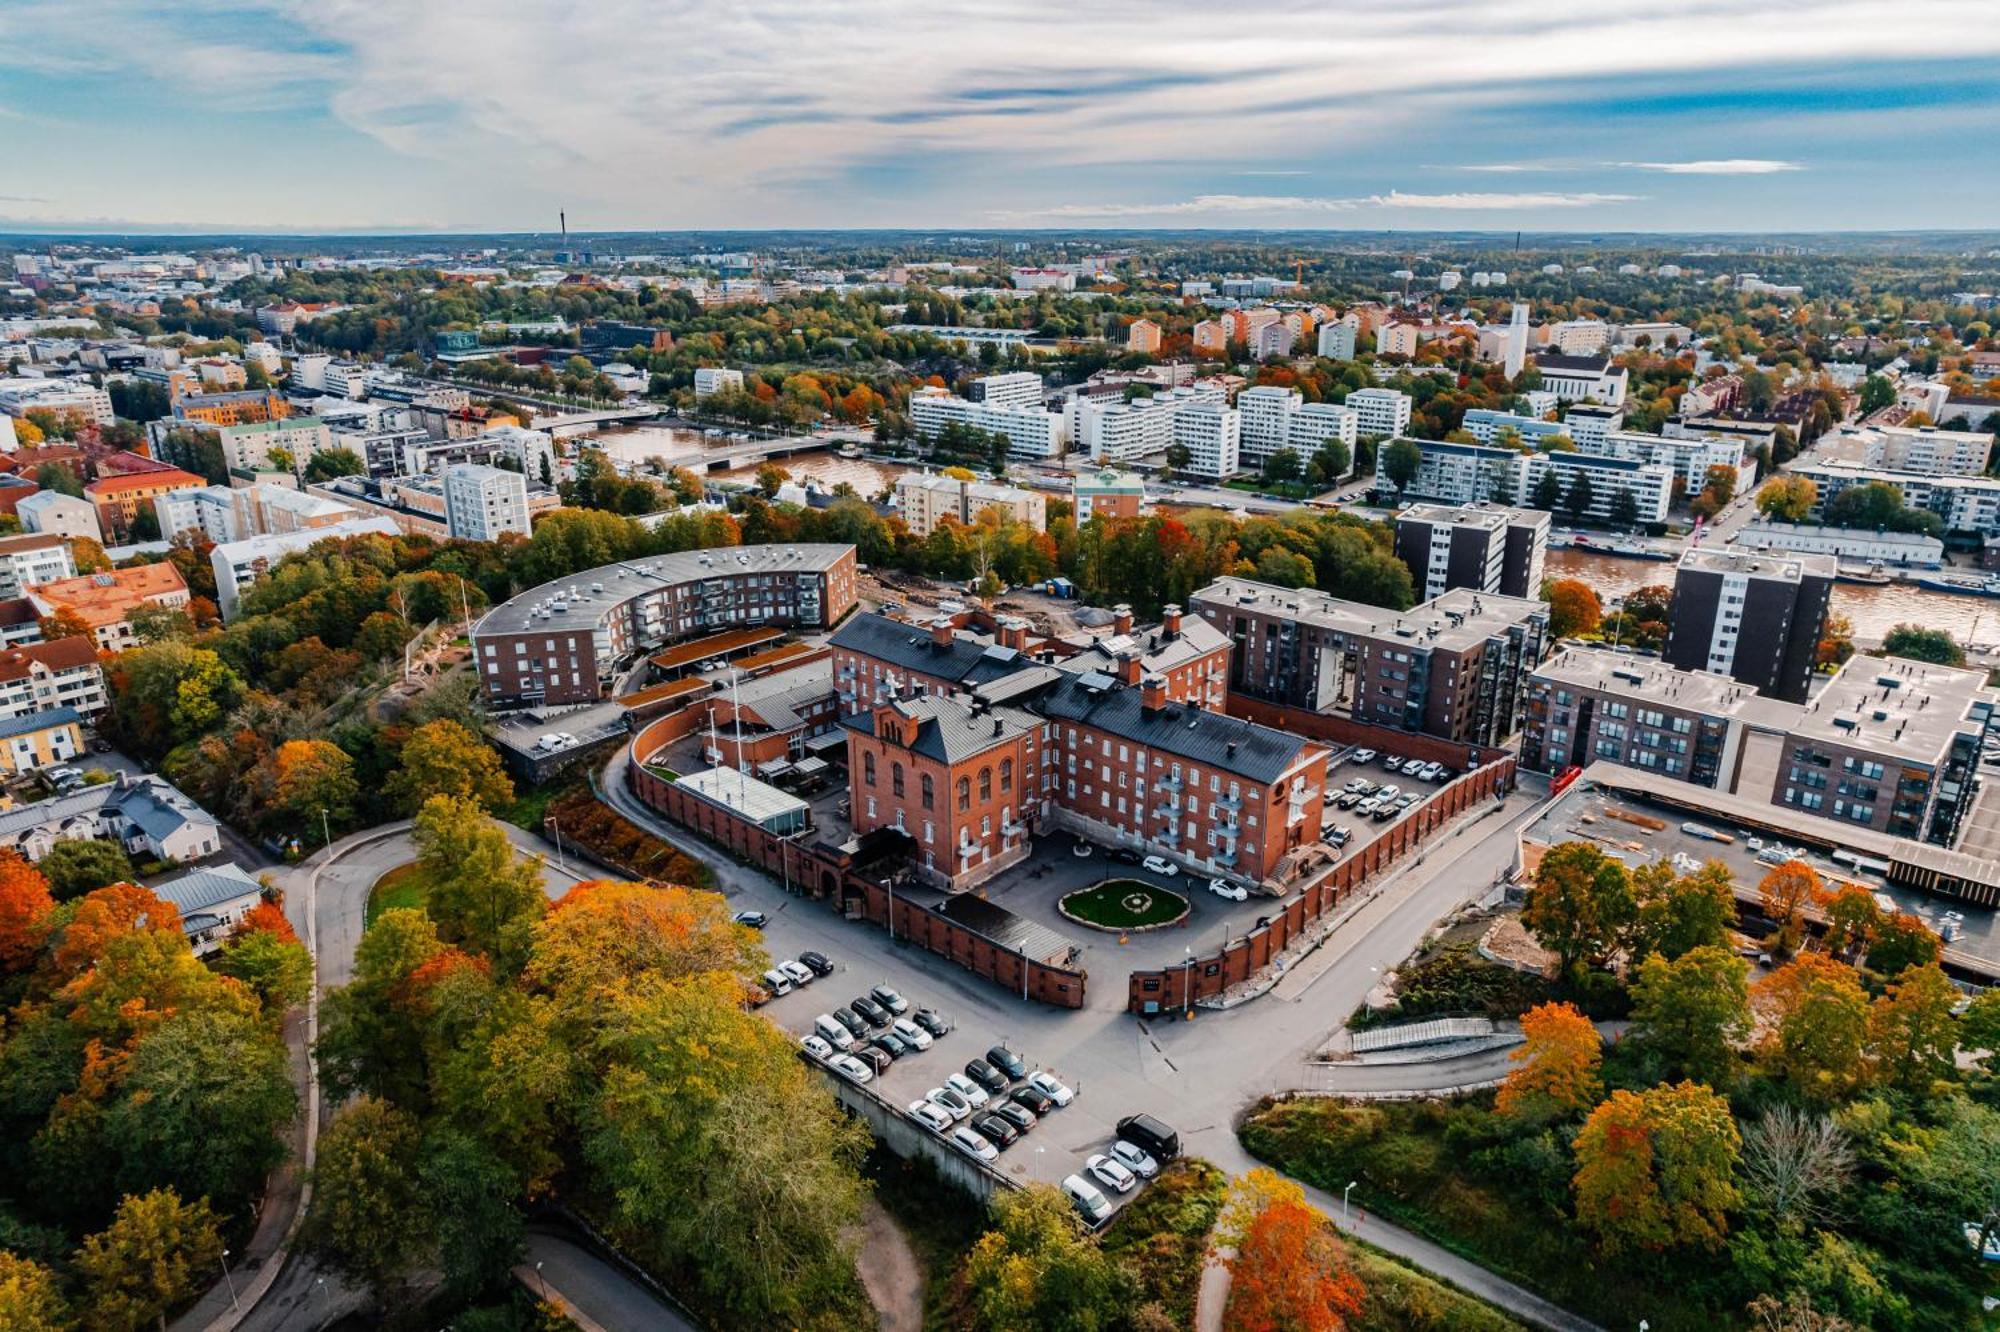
(241, 563)
(38, 740)
(1336, 340)
(1577, 337)
(1453, 667)
(32, 558)
(251, 446)
(1690, 459)
(1755, 618)
(1017, 389)
(1143, 335)
(1964, 503)
(924, 500)
(716, 379)
(1923, 449)
(1887, 744)
(563, 642)
(1909, 550)
(1380, 412)
(1587, 423)
(1485, 547)
(485, 503)
(77, 399)
(1582, 378)
(1279, 418)
(1490, 426)
(531, 452)
(63, 673)
(1651, 485)
(148, 818)
(1461, 473)
(1114, 431)
(224, 513)
(1212, 434)
(1031, 432)
(119, 500)
(104, 603)
(1107, 493)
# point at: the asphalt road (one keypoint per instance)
(594, 1288)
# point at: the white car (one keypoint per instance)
(797, 972)
(1430, 772)
(1161, 866)
(950, 1102)
(777, 982)
(1235, 892)
(1048, 1085)
(910, 1033)
(851, 1068)
(816, 1047)
(932, 1117)
(1359, 784)
(1110, 1174)
(974, 1094)
(1367, 807)
(973, 1145)
(1083, 1195)
(1134, 1159)
(1362, 756)
(1387, 792)
(1413, 767)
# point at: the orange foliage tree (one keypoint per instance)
(1290, 1272)
(1555, 1066)
(1786, 892)
(107, 915)
(25, 903)
(1820, 1038)
(1573, 608)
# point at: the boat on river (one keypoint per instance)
(1872, 575)
(1965, 585)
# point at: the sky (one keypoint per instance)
(470, 115)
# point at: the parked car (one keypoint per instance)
(1092, 1205)
(986, 1075)
(1387, 792)
(1350, 799)
(997, 1131)
(777, 982)
(1359, 784)
(930, 1116)
(1366, 809)
(851, 1068)
(974, 1094)
(1235, 892)
(1330, 796)
(1386, 810)
(886, 996)
(1161, 866)
(847, 1018)
(876, 1059)
(1048, 1085)
(1392, 762)
(949, 1101)
(1338, 835)
(1413, 768)
(797, 972)
(1110, 1174)
(870, 1011)
(1020, 1116)
(912, 1034)
(756, 920)
(1134, 1158)
(839, 1037)
(969, 1142)
(1124, 855)
(1031, 1100)
(1158, 1140)
(1430, 772)
(1362, 756)
(932, 1021)
(818, 962)
(1007, 1062)
(816, 1046)
(892, 1045)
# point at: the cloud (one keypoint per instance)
(1501, 202)
(1223, 204)
(1718, 166)
(1498, 168)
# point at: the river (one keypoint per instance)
(1873, 610)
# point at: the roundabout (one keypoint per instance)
(1124, 905)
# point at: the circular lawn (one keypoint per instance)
(1124, 904)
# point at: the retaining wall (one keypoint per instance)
(908, 1139)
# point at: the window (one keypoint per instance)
(930, 795)
(1006, 774)
(964, 794)
(896, 778)
(986, 783)
(868, 767)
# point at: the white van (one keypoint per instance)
(777, 982)
(1089, 1203)
(830, 1031)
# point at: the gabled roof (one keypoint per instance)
(964, 660)
(45, 720)
(64, 654)
(203, 889)
(950, 731)
(1228, 744)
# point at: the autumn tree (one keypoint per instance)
(1678, 913)
(275, 966)
(1574, 609)
(1579, 906)
(156, 1253)
(1694, 1009)
(1787, 498)
(368, 1213)
(300, 779)
(443, 758)
(482, 893)
(1786, 892)
(1290, 1274)
(1980, 1027)
(1852, 920)
(602, 932)
(371, 1036)
(1819, 1039)
(1911, 1032)
(106, 915)
(1036, 1270)
(1556, 1065)
(1902, 941)
(25, 904)
(31, 1300)
(1655, 1168)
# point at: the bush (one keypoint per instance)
(1162, 1236)
(610, 837)
(1457, 981)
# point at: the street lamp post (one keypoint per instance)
(544, 1281)
(325, 830)
(1187, 984)
(1345, 1209)
(555, 825)
(232, 1282)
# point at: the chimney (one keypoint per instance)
(941, 631)
(1121, 619)
(1170, 622)
(1128, 668)
(1013, 633)
(996, 727)
(1153, 693)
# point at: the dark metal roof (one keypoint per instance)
(1208, 738)
(950, 730)
(1007, 930)
(964, 660)
(1556, 361)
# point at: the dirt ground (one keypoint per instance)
(890, 1272)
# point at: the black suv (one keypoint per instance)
(986, 1075)
(1007, 1062)
(870, 1011)
(818, 962)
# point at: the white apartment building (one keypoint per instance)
(1336, 340)
(54, 513)
(32, 558)
(1266, 413)
(248, 447)
(239, 564)
(1463, 473)
(1017, 389)
(1588, 424)
(1031, 433)
(716, 379)
(484, 503)
(1124, 432)
(223, 513)
(1274, 339)
(1577, 337)
(1651, 485)
(1316, 423)
(533, 451)
(1212, 433)
(1690, 459)
(924, 500)
(1380, 412)
(309, 370)
(1923, 449)
(78, 398)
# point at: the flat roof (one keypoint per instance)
(1609, 671)
(729, 640)
(743, 794)
(1788, 567)
(632, 578)
(1493, 517)
(1894, 706)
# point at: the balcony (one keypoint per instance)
(1231, 803)
(1169, 784)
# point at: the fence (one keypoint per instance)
(907, 1138)
(1437, 1031)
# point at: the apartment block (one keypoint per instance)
(485, 503)
(1463, 473)
(1488, 548)
(1924, 449)
(1031, 432)
(251, 446)
(53, 513)
(104, 603)
(924, 500)
(62, 673)
(1651, 485)
(1107, 493)
(32, 558)
(1755, 618)
(710, 379)
(1212, 434)
(1336, 340)
(1380, 412)
(1690, 459)
(1492, 427)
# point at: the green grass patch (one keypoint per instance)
(1457, 982)
(663, 772)
(1161, 1236)
(1125, 904)
(403, 886)
(1401, 1299)
(532, 804)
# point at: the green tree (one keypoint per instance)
(1980, 1027)
(156, 1253)
(444, 758)
(371, 1037)
(1282, 468)
(278, 970)
(1580, 905)
(1654, 1169)
(1548, 490)
(78, 865)
(170, 692)
(1035, 1270)
(1911, 1031)
(369, 1213)
(470, 1192)
(1787, 498)
(1400, 462)
(1695, 1009)
(329, 463)
(1901, 941)
(1876, 393)
(1682, 912)
(481, 893)
(1920, 644)
(1624, 508)
(298, 780)
(60, 479)
(1579, 497)
(1331, 462)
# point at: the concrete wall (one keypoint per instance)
(1177, 987)
(909, 1139)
